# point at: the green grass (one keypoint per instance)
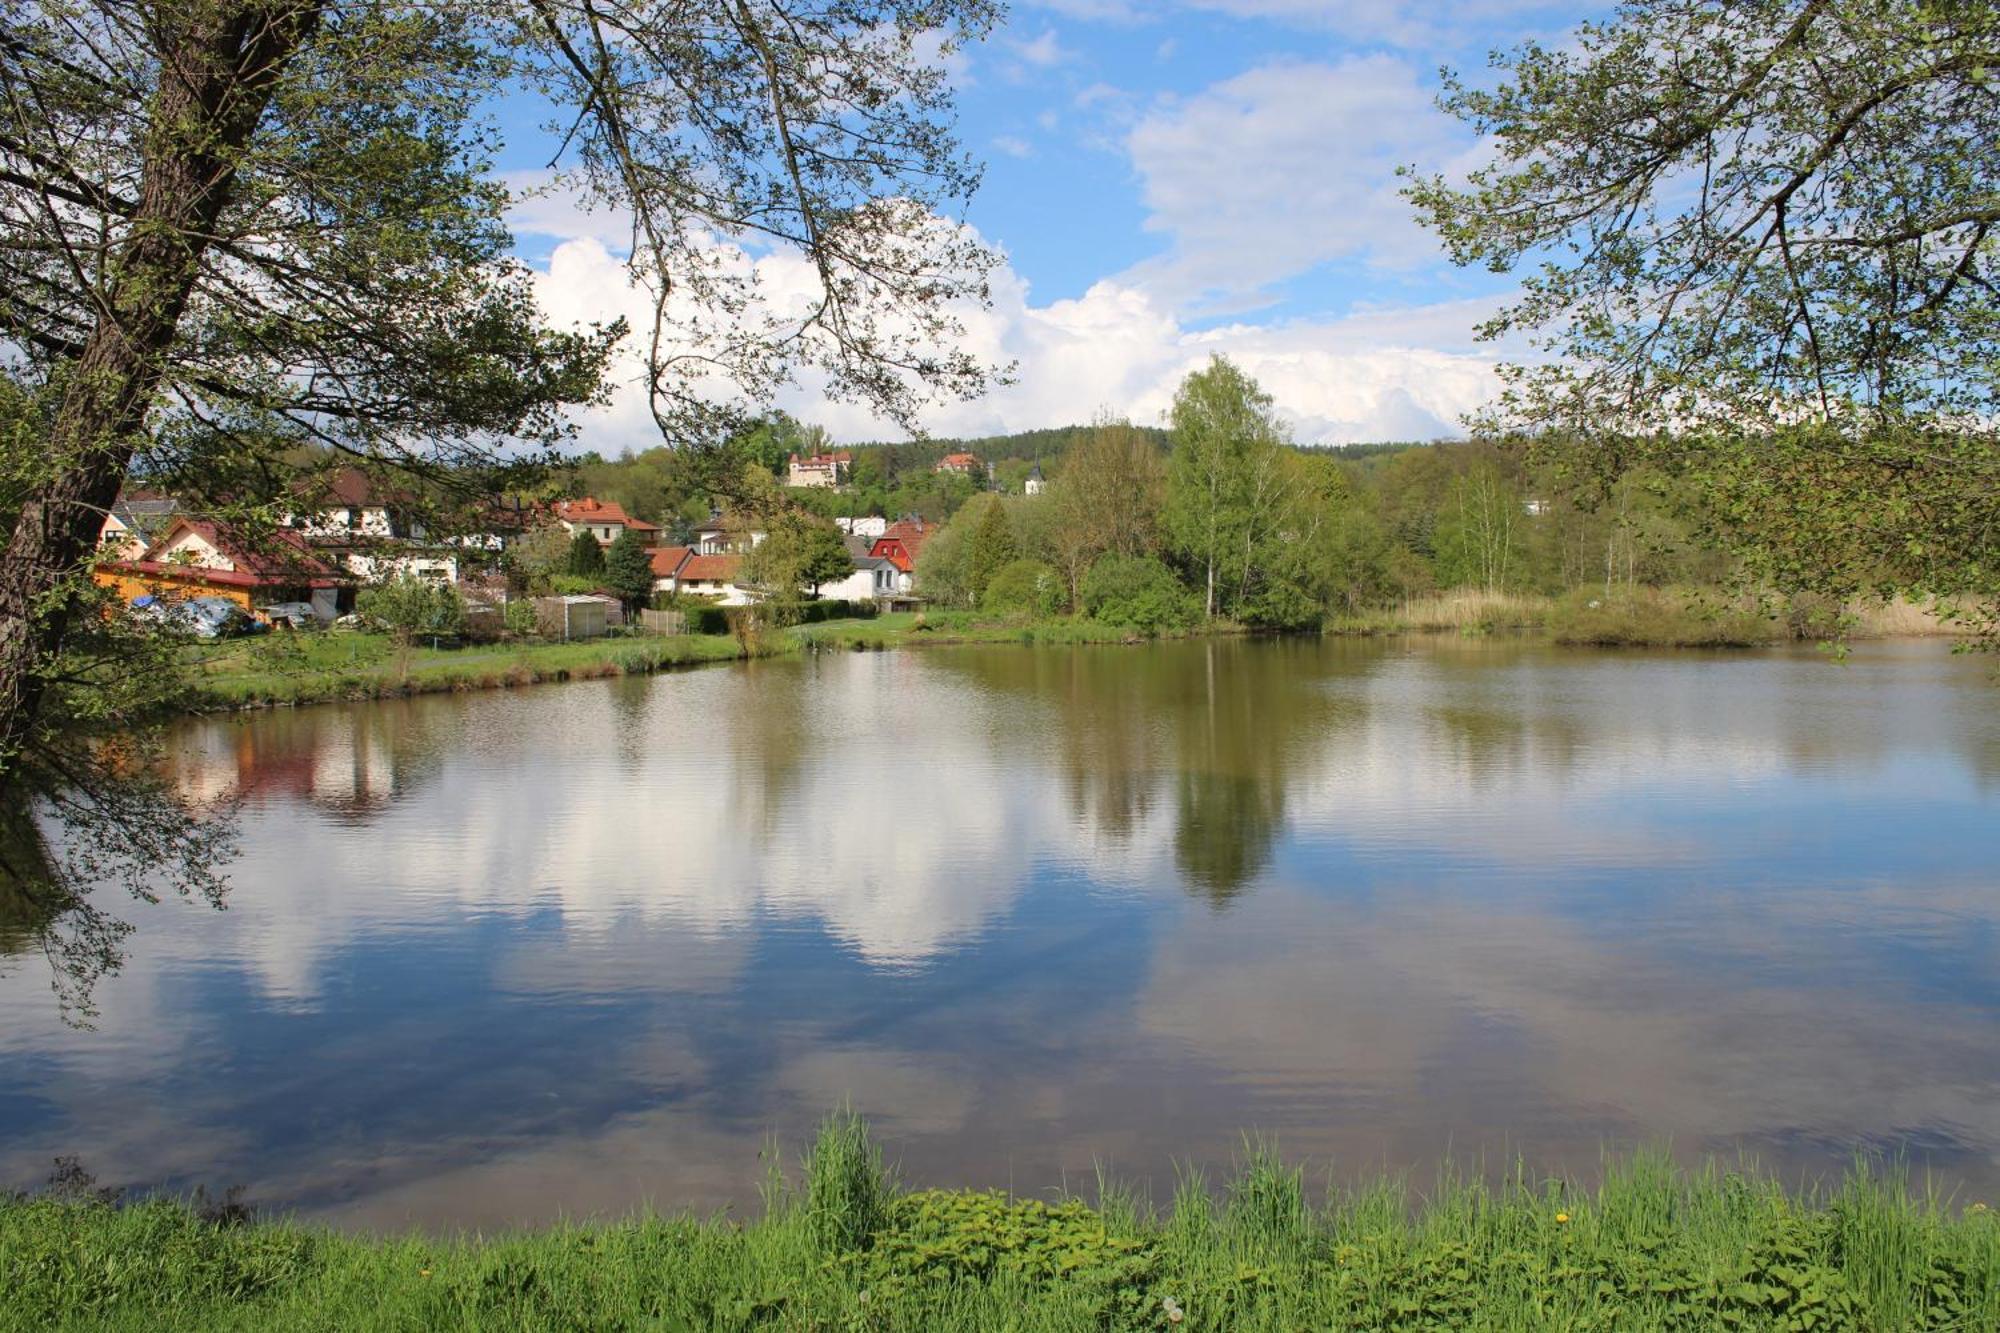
(284, 669)
(1651, 1247)
(323, 667)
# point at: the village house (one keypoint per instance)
(667, 561)
(823, 471)
(873, 579)
(197, 558)
(899, 544)
(870, 526)
(370, 531)
(134, 521)
(719, 534)
(966, 465)
(602, 519)
(714, 576)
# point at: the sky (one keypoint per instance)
(1171, 179)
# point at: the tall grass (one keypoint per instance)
(1462, 611)
(1651, 1246)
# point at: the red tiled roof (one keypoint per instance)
(592, 510)
(709, 568)
(667, 559)
(959, 461)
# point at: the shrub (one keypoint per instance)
(586, 557)
(1023, 587)
(409, 608)
(521, 617)
(1138, 591)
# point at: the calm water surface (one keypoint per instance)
(496, 958)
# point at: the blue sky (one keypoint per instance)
(1174, 178)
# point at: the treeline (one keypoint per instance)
(1219, 515)
(675, 489)
(1223, 517)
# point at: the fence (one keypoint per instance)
(663, 622)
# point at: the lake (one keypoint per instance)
(497, 958)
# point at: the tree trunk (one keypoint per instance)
(216, 76)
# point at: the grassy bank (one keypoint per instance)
(323, 667)
(319, 668)
(1641, 617)
(1650, 1248)
(942, 628)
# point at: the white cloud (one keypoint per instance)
(1043, 52)
(1282, 168)
(1403, 23)
(1377, 374)
(1013, 145)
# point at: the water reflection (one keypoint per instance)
(496, 957)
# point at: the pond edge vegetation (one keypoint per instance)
(1652, 1246)
(309, 669)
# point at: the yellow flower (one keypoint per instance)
(423, 1272)
(1562, 1217)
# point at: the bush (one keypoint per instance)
(1660, 618)
(409, 608)
(1023, 587)
(1138, 591)
(521, 617)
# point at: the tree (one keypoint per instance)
(586, 555)
(628, 570)
(990, 548)
(1766, 259)
(1219, 476)
(411, 608)
(799, 552)
(230, 227)
(1107, 498)
(544, 552)
(1478, 542)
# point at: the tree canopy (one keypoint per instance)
(1761, 250)
(233, 229)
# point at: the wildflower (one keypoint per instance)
(423, 1272)
(1977, 1208)
(1562, 1217)
(1174, 1312)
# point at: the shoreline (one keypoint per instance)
(1651, 1245)
(282, 673)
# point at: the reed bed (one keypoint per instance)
(1651, 1246)
(1463, 611)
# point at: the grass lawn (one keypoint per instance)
(1652, 1247)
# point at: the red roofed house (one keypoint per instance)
(370, 530)
(964, 464)
(820, 470)
(196, 558)
(602, 519)
(899, 544)
(714, 576)
(667, 562)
